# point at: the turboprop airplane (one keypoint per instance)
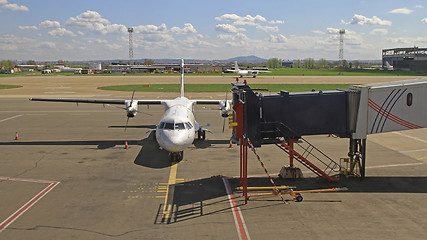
(242, 73)
(177, 128)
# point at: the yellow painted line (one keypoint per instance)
(162, 191)
(167, 207)
(160, 196)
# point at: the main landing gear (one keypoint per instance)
(201, 134)
(176, 156)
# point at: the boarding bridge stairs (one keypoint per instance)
(304, 152)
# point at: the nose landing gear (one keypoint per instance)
(176, 156)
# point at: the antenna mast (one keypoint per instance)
(130, 30)
(341, 53)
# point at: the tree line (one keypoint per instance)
(310, 63)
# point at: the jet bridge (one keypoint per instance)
(283, 118)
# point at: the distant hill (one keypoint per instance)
(247, 59)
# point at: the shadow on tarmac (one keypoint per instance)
(354, 185)
(151, 156)
(135, 126)
(102, 144)
(199, 198)
(198, 143)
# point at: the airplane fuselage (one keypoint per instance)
(177, 128)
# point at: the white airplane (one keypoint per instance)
(177, 128)
(242, 73)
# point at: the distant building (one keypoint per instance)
(68, 69)
(30, 68)
(95, 67)
(409, 59)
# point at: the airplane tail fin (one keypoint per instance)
(236, 68)
(182, 77)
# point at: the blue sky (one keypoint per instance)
(94, 29)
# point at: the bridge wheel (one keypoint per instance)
(299, 198)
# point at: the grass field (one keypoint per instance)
(225, 87)
(9, 86)
(274, 72)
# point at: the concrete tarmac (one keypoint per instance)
(108, 192)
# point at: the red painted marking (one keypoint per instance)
(238, 217)
(30, 203)
(391, 116)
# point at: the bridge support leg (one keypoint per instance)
(244, 168)
(357, 154)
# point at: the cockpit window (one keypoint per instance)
(179, 126)
(176, 126)
(168, 126)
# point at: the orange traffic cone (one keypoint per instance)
(16, 136)
(126, 144)
(231, 144)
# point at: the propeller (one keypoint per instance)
(227, 113)
(130, 109)
(130, 105)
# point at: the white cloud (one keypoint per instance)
(268, 28)
(87, 19)
(419, 6)
(13, 6)
(28, 28)
(332, 30)
(240, 20)
(61, 32)
(362, 20)
(409, 41)
(278, 39)
(402, 11)
(47, 45)
(150, 28)
(379, 31)
(49, 24)
(317, 32)
(228, 28)
(424, 20)
(276, 22)
(188, 28)
(95, 23)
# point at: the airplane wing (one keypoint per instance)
(99, 101)
(208, 102)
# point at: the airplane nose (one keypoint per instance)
(174, 141)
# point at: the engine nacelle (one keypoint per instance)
(131, 108)
(225, 108)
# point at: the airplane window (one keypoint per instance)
(188, 125)
(168, 126)
(179, 126)
(162, 125)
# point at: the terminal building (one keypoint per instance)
(409, 59)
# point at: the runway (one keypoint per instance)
(104, 191)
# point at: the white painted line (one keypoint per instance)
(397, 165)
(59, 92)
(418, 150)
(4, 120)
(241, 228)
(415, 138)
(58, 87)
(30, 203)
